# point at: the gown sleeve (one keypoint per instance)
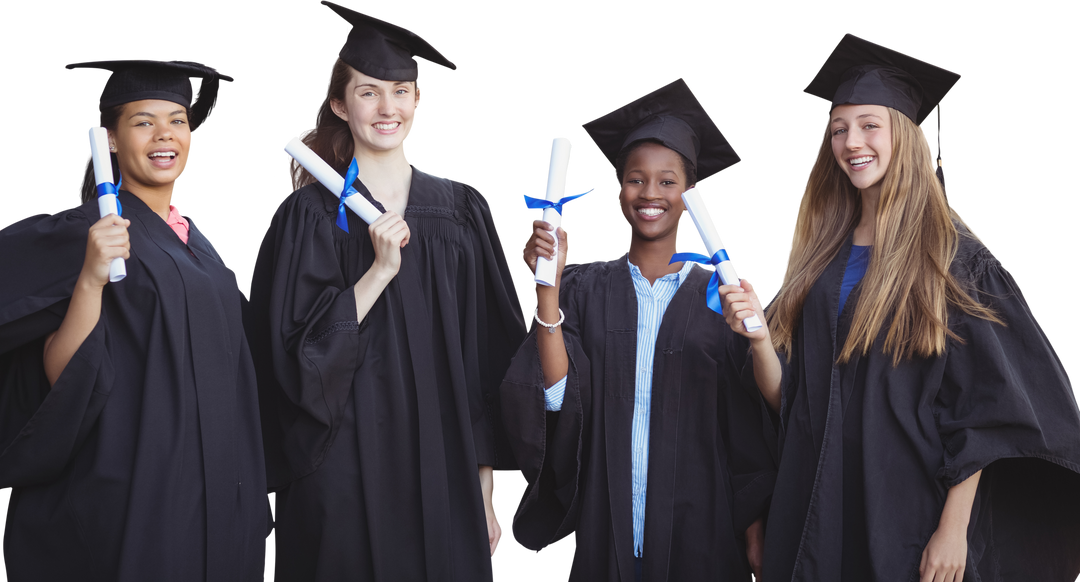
(305, 339)
(41, 427)
(750, 438)
(1005, 405)
(1005, 393)
(548, 445)
(500, 329)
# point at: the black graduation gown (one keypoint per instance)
(374, 430)
(711, 467)
(143, 461)
(998, 401)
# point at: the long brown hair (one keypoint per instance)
(329, 135)
(915, 241)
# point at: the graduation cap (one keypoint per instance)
(166, 80)
(863, 73)
(382, 50)
(672, 116)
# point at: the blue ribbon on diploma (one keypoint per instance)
(545, 203)
(712, 293)
(114, 189)
(350, 177)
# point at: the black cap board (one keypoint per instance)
(165, 80)
(673, 116)
(382, 50)
(863, 73)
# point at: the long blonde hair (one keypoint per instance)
(915, 241)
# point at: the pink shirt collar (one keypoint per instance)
(178, 223)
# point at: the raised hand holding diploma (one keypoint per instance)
(552, 204)
(340, 187)
(718, 257)
(107, 202)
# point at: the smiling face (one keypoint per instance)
(652, 187)
(862, 143)
(151, 140)
(379, 113)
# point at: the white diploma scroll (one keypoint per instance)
(331, 179)
(556, 186)
(696, 207)
(99, 152)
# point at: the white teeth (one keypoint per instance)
(651, 211)
(859, 161)
(385, 126)
(163, 155)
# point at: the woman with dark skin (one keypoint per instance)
(130, 424)
(625, 406)
(928, 430)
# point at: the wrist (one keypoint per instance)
(382, 274)
(547, 298)
(762, 345)
(85, 284)
(954, 520)
(547, 290)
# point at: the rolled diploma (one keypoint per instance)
(331, 179)
(696, 206)
(556, 187)
(99, 152)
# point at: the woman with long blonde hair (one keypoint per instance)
(927, 429)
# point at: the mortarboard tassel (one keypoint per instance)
(940, 172)
(204, 103)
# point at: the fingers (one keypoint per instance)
(390, 230)
(389, 233)
(106, 240)
(494, 534)
(739, 302)
(541, 243)
(542, 226)
(562, 237)
(735, 300)
(542, 231)
(933, 567)
(943, 574)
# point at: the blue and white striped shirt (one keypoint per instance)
(652, 301)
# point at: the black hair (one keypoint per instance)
(620, 161)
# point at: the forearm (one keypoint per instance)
(487, 484)
(368, 289)
(553, 359)
(946, 554)
(767, 372)
(957, 511)
(82, 315)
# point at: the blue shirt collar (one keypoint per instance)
(635, 272)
